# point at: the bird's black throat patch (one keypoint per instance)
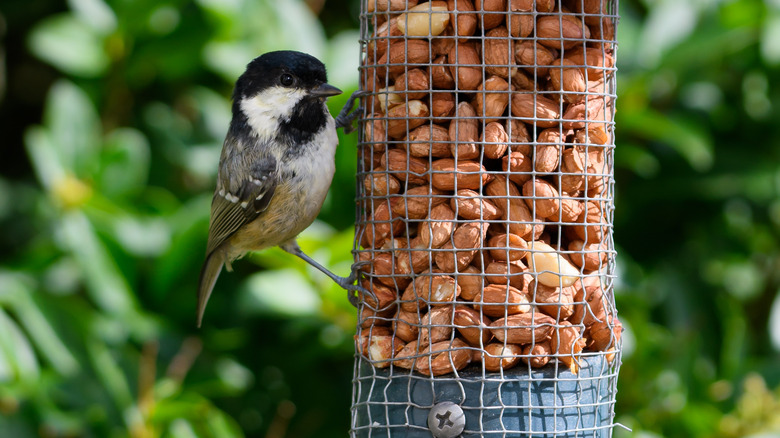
(308, 118)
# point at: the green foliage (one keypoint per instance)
(104, 210)
(696, 210)
(757, 412)
(97, 333)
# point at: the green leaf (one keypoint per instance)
(142, 237)
(44, 156)
(774, 322)
(299, 28)
(234, 376)
(96, 14)
(770, 39)
(228, 58)
(16, 352)
(181, 428)
(667, 23)
(687, 138)
(18, 426)
(638, 159)
(124, 163)
(105, 283)
(74, 126)
(188, 244)
(222, 8)
(24, 302)
(70, 45)
(342, 59)
(283, 292)
(111, 377)
(215, 111)
(220, 425)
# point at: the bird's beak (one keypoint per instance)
(324, 90)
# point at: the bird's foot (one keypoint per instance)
(347, 115)
(348, 283)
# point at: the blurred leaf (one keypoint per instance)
(229, 59)
(638, 159)
(770, 39)
(282, 292)
(740, 277)
(287, 25)
(62, 277)
(16, 426)
(164, 20)
(74, 127)
(188, 244)
(202, 160)
(215, 110)
(48, 343)
(234, 376)
(6, 195)
(181, 428)
(298, 28)
(143, 237)
(112, 378)
(220, 425)
(44, 156)
(684, 136)
(668, 23)
(95, 13)
(124, 163)
(70, 45)
(774, 322)
(757, 413)
(105, 284)
(18, 355)
(342, 60)
(223, 9)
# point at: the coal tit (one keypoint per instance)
(276, 166)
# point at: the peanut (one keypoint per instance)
(552, 268)
(500, 356)
(523, 328)
(424, 20)
(466, 175)
(465, 66)
(469, 205)
(494, 139)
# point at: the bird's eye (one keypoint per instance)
(286, 80)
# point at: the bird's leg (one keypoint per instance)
(347, 283)
(347, 115)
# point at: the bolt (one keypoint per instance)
(446, 420)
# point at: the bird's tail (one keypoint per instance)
(208, 277)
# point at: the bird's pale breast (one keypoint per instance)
(297, 199)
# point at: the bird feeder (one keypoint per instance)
(485, 210)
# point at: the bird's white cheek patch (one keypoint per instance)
(265, 110)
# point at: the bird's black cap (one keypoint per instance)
(267, 70)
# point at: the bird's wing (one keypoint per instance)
(247, 201)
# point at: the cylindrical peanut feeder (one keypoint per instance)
(485, 209)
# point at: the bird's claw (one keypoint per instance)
(348, 283)
(347, 115)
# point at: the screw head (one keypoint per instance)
(446, 420)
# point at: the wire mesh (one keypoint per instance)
(485, 206)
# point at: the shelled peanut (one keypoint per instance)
(485, 158)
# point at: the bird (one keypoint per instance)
(276, 165)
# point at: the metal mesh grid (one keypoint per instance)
(485, 206)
